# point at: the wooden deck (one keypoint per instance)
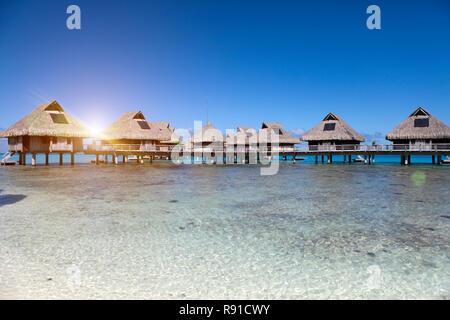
(365, 152)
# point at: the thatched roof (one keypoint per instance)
(243, 136)
(274, 132)
(332, 128)
(48, 119)
(134, 126)
(174, 138)
(208, 133)
(420, 125)
(247, 129)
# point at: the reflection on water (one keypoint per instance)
(167, 231)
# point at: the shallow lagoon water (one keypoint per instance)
(162, 231)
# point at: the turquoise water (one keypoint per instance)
(162, 231)
(83, 159)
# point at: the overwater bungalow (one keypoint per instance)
(165, 130)
(47, 129)
(132, 134)
(241, 145)
(244, 139)
(332, 133)
(208, 139)
(166, 145)
(276, 138)
(420, 131)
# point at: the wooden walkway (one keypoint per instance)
(253, 155)
(364, 153)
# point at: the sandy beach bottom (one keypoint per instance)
(162, 231)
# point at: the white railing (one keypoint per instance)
(442, 147)
(125, 147)
(61, 147)
(377, 147)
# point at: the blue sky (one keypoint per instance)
(283, 61)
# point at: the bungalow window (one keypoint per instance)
(59, 118)
(329, 126)
(144, 125)
(421, 122)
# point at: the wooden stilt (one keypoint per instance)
(433, 160)
(409, 159)
(60, 159)
(46, 159)
(345, 158)
(97, 158)
(20, 158)
(72, 158)
(316, 159)
(33, 159)
(24, 155)
(105, 158)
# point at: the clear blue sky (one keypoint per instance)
(253, 61)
